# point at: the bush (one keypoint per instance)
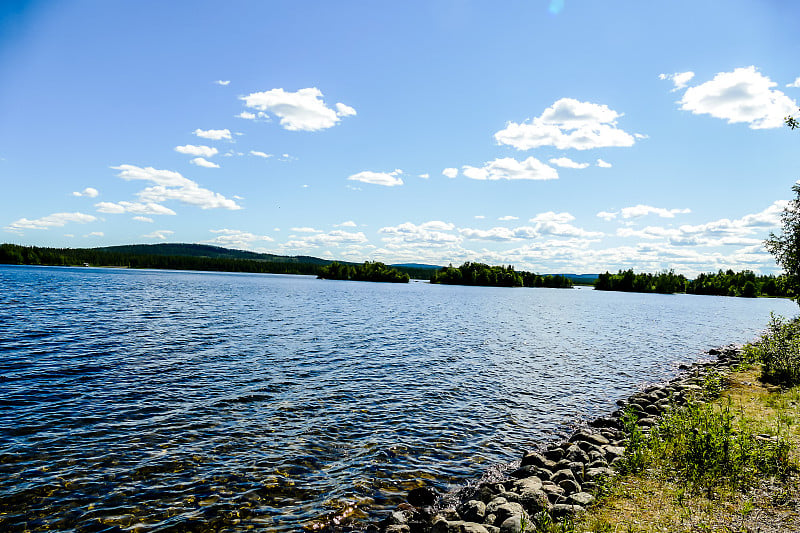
(778, 350)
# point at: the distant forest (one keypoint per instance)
(496, 276)
(369, 271)
(724, 283)
(176, 257)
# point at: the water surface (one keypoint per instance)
(161, 401)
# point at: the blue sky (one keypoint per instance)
(573, 136)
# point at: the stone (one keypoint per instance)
(512, 524)
(612, 452)
(563, 510)
(569, 486)
(398, 518)
(422, 497)
(525, 471)
(507, 510)
(527, 484)
(492, 506)
(398, 529)
(554, 454)
(583, 499)
(445, 526)
(561, 475)
(598, 472)
(471, 527)
(472, 511)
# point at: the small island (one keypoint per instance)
(484, 275)
(369, 271)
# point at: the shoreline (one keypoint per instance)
(561, 478)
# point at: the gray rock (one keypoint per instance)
(594, 473)
(562, 510)
(577, 469)
(561, 475)
(510, 496)
(599, 463)
(512, 524)
(472, 511)
(613, 452)
(569, 486)
(536, 459)
(492, 506)
(527, 484)
(398, 518)
(554, 454)
(395, 528)
(507, 510)
(525, 471)
(471, 527)
(583, 499)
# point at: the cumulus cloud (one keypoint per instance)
(558, 224)
(568, 123)
(434, 232)
(303, 110)
(195, 150)
(149, 208)
(387, 179)
(333, 238)
(143, 219)
(56, 220)
(508, 217)
(450, 172)
(200, 162)
(643, 210)
(795, 83)
(743, 95)
(566, 162)
(346, 224)
(232, 238)
(171, 185)
(500, 234)
(246, 115)
(260, 154)
(679, 79)
(160, 234)
(223, 82)
(95, 234)
(89, 192)
(603, 164)
(214, 135)
(305, 230)
(508, 168)
(425, 176)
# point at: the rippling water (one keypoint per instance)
(161, 401)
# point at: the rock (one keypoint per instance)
(510, 496)
(562, 475)
(472, 511)
(569, 485)
(577, 469)
(527, 484)
(554, 454)
(537, 459)
(646, 422)
(507, 510)
(598, 472)
(612, 452)
(512, 524)
(563, 510)
(471, 527)
(575, 454)
(486, 492)
(584, 499)
(597, 463)
(398, 529)
(398, 518)
(422, 496)
(525, 471)
(445, 526)
(714, 351)
(493, 505)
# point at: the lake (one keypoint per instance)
(155, 400)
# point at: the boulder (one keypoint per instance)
(507, 510)
(472, 511)
(422, 497)
(584, 499)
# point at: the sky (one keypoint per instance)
(553, 135)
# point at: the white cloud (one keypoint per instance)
(607, 215)
(260, 154)
(214, 135)
(500, 234)
(480, 217)
(508, 217)
(566, 162)
(425, 176)
(343, 110)
(143, 219)
(159, 234)
(246, 115)
(200, 162)
(222, 82)
(195, 150)
(568, 123)
(508, 168)
(56, 220)
(95, 234)
(603, 164)
(387, 179)
(450, 172)
(744, 95)
(795, 83)
(171, 185)
(346, 224)
(553, 217)
(303, 110)
(89, 192)
(558, 224)
(236, 238)
(149, 208)
(644, 210)
(680, 79)
(305, 230)
(333, 238)
(434, 233)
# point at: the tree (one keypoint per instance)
(792, 122)
(786, 246)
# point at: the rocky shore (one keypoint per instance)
(560, 479)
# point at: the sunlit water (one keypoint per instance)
(163, 401)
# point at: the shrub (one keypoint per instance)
(778, 350)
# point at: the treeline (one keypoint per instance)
(496, 276)
(724, 283)
(369, 271)
(33, 255)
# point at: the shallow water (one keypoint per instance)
(158, 401)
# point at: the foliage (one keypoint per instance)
(786, 247)
(705, 445)
(666, 282)
(778, 350)
(369, 271)
(496, 276)
(792, 122)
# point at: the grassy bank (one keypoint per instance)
(725, 462)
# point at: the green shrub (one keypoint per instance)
(778, 350)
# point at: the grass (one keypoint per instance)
(725, 465)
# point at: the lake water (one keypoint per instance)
(164, 401)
